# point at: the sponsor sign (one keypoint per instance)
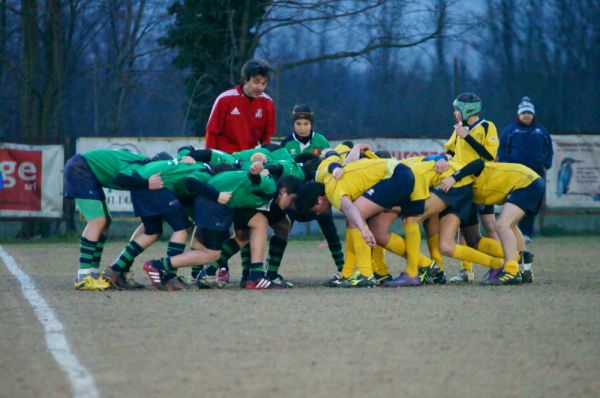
(573, 181)
(31, 180)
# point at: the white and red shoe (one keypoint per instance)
(262, 284)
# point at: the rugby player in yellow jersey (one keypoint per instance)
(349, 273)
(520, 189)
(448, 209)
(473, 138)
(362, 189)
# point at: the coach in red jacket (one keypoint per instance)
(243, 117)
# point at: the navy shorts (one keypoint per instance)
(242, 216)
(393, 191)
(486, 209)
(177, 220)
(529, 199)
(80, 181)
(212, 215)
(472, 218)
(212, 239)
(458, 201)
(148, 202)
(410, 208)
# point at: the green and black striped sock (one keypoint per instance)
(98, 251)
(165, 264)
(335, 247)
(245, 254)
(256, 271)
(87, 249)
(229, 249)
(125, 260)
(174, 248)
(196, 270)
(276, 249)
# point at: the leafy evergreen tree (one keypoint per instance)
(214, 39)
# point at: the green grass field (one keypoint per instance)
(539, 340)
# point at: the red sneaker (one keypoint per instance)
(154, 274)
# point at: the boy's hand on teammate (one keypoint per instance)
(461, 130)
(155, 182)
(224, 197)
(257, 167)
(441, 166)
(368, 237)
(365, 147)
(338, 173)
(188, 160)
(447, 183)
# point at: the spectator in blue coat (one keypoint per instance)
(527, 142)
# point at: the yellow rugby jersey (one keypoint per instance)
(323, 170)
(358, 177)
(412, 160)
(498, 180)
(464, 152)
(432, 178)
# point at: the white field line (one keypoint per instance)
(82, 382)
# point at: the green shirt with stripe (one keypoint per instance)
(315, 145)
(174, 173)
(243, 192)
(107, 163)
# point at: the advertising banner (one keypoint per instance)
(32, 181)
(119, 201)
(573, 181)
(402, 148)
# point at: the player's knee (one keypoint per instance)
(447, 248)
(213, 255)
(502, 225)
(180, 236)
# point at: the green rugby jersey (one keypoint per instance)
(107, 163)
(243, 192)
(217, 157)
(174, 174)
(291, 168)
(315, 145)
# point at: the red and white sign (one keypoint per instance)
(32, 180)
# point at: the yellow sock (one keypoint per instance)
(413, 244)
(396, 245)
(349, 256)
(467, 253)
(511, 267)
(467, 266)
(363, 253)
(490, 246)
(434, 250)
(380, 265)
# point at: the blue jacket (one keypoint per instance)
(529, 145)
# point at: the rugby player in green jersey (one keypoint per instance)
(182, 181)
(213, 219)
(304, 139)
(85, 175)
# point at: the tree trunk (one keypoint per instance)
(30, 83)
